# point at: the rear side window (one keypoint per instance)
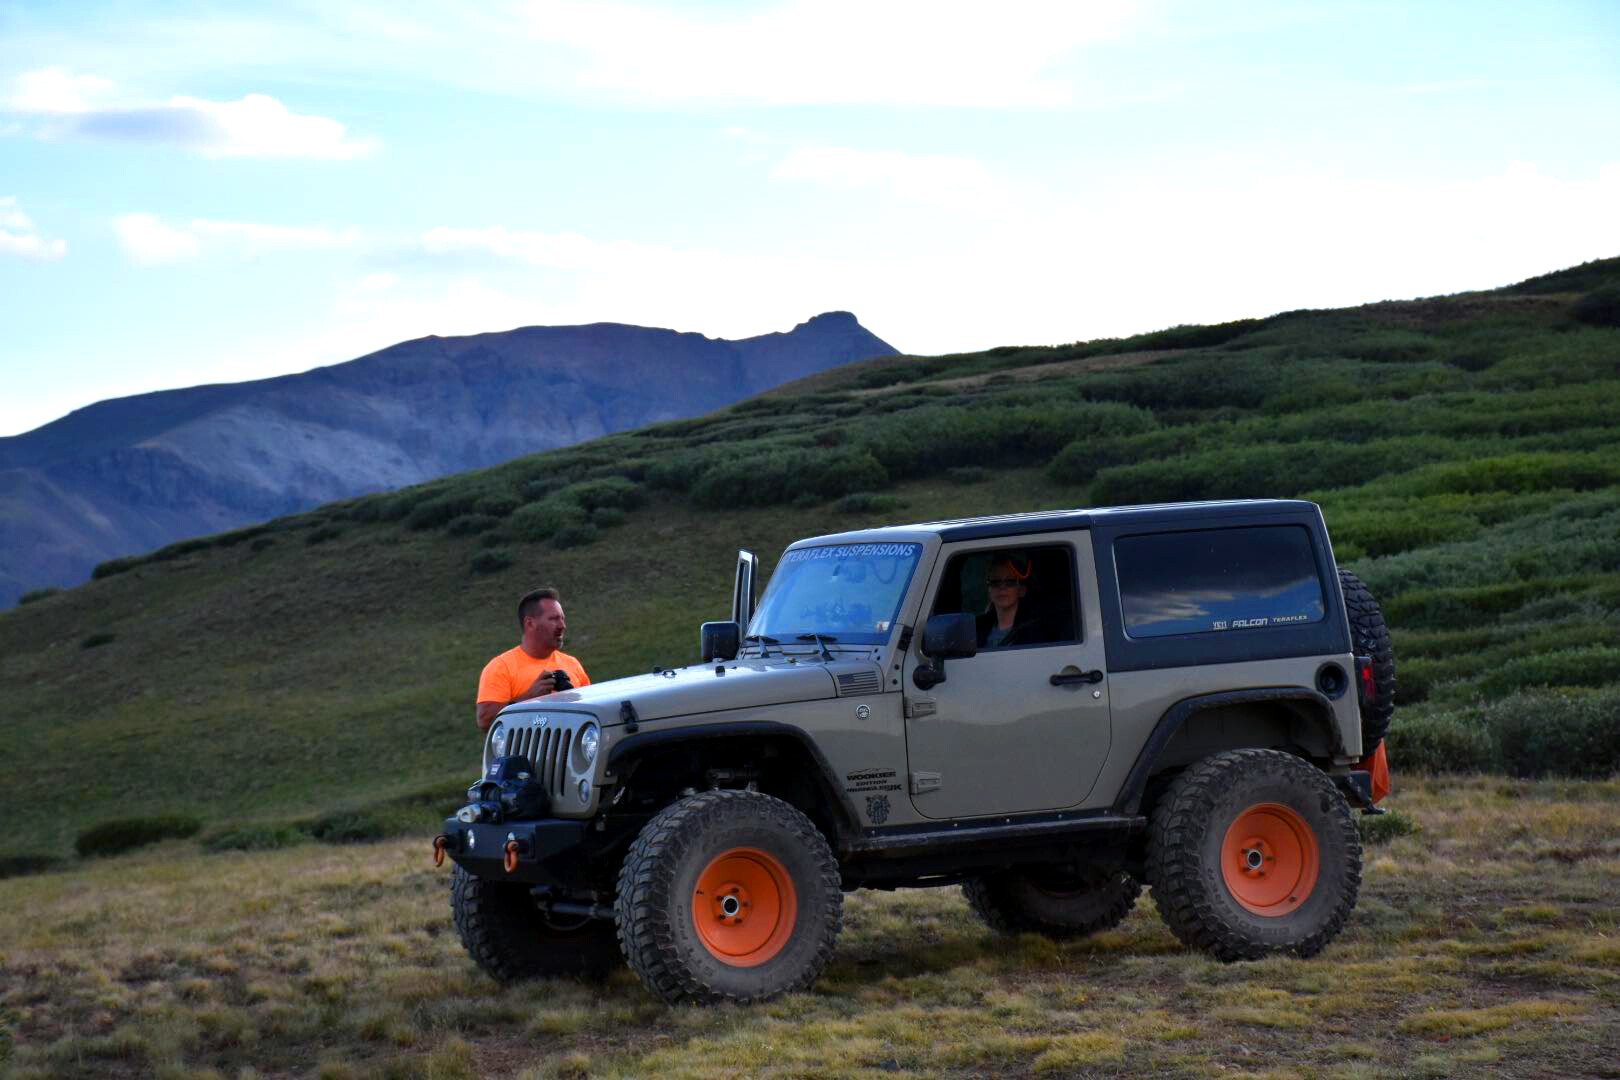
(1217, 580)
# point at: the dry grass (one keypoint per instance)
(1489, 941)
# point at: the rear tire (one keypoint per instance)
(1253, 852)
(1060, 905)
(1369, 636)
(729, 896)
(511, 939)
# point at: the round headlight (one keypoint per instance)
(589, 739)
(497, 740)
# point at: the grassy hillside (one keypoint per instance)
(1466, 450)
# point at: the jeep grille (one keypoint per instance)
(547, 747)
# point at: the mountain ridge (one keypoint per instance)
(130, 474)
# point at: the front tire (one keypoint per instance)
(511, 939)
(728, 896)
(1060, 904)
(1253, 852)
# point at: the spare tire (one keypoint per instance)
(1369, 636)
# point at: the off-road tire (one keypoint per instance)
(1369, 636)
(1189, 846)
(1056, 904)
(510, 938)
(679, 850)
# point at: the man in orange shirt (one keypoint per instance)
(526, 671)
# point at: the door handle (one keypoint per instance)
(1077, 677)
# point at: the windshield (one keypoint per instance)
(849, 593)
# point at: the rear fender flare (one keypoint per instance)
(1309, 701)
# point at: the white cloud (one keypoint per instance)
(254, 239)
(940, 180)
(254, 126)
(19, 237)
(149, 241)
(908, 52)
(562, 251)
(56, 90)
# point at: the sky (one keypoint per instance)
(213, 192)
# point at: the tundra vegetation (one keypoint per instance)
(308, 682)
(1486, 941)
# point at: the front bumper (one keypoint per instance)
(544, 852)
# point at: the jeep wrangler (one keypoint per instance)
(1196, 711)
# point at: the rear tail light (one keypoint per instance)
(1366, 683)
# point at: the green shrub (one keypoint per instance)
(498, 505)
(25, 864)
(184, 547)
(613, 491)
(608, 517)
(541, 487)
(113, 837)
(932, 438)
(1260, 471)
(1388, 532)
(865, 502)
(1514, 472)
(1461, 605)
(1600, 307)
(1415, 678)
(116, 566)
(470, 524)
(542, 520)
(256, 838)
(1439, 743)
(401, 503)
(779, 475)
(490, 561)
(575, 535)
(1382, 828)
(35, 595)
(323, 534)
(97, 640)
(432, 513)
(347, 827)
(1543, 733)
(1594, 665)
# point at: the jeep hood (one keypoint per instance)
(697, 689)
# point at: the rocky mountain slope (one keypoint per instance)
(130, 474)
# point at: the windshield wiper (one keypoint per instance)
(820, 639)
(764, 643)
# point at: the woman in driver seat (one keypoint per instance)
(1010, 619)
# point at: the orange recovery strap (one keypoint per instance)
(1377, 764)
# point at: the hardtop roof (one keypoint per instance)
(1038, 521)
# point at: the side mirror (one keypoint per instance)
(719, 641)
(945, 637)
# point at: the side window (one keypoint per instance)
(1217, 580)
(1018, 596)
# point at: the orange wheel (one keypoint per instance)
(744, 907)
(1270, 859)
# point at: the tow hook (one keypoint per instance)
(440, 843)
(514, 848)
